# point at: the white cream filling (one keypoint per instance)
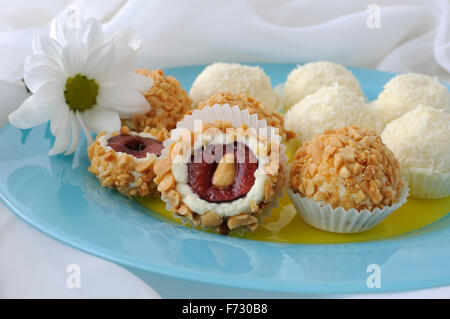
(241, 205)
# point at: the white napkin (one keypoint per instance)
(412, 36)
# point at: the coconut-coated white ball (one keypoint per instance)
(405, 92)
(329, 108)
(234, 78)
(420, 139)
(308, 78)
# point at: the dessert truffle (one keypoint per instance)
(329, 108)
(308, 78)
(235, 78)
(420, 139)
(345, 170)
(244, 101)
(405, 92)
(222, 177)
(168, 102)
(348, 168)
(124, 161)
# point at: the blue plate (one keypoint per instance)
(58, 196)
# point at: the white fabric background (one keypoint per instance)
(413, 36)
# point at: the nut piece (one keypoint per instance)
(225, 171)
(241, 220)
(210, 219)
(162, 167)
(145, 166)
(167, 183)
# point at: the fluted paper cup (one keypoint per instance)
(338, 220)
(428, 185)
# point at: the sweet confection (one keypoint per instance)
(348, 169)
(235, 78)
(405, 92)
(307, 79)
(329, 108)
(125, 160)
(168, 102)
(222, 177)
(244, 101)
(420, 140)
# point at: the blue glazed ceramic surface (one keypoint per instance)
(58, 196)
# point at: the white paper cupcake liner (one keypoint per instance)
(321, 215)
(237, 117)
(427, 185)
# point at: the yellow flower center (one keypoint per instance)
(80, 93)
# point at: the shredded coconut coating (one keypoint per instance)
(329, 108)
(120, 171)
(168, 102)
(405, 92)
(307, 79)
(348, 168)
(167, 186)
(235, 78)
(244, 101)
(420, 139)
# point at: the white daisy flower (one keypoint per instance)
(81, 81)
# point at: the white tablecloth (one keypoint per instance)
(412, 36)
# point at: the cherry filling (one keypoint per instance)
(135, 145)
(204, 162)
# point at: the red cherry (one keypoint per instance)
(135, 145)
(203, 164)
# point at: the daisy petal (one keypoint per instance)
(126, 37)
(87, 133)
(28, 115)
(122, 65)
(65, 27)
(137, 82)
(99, 60)
(56, 118)
(49, 95)
(73, 57)
(123, 100)
(62, 135)
(56, 30)
(91, 34)
(45, 45)
(140, 82)
(76, 132)
(101, 120)
(39, 75)
(39, 60)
